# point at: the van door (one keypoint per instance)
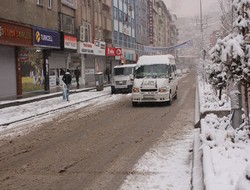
(173, 81)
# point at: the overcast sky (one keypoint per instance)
(190, 7)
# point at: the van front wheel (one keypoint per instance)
(134, 104)
(170, 99)
(175, 97)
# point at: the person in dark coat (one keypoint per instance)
(107, 72)
(67, 81)
(77, 75)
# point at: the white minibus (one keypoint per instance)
(122, 78)
(155, 79)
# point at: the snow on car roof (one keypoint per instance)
(156, 59)
(125, 65)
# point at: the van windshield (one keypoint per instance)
(152, 71)
(123, 71)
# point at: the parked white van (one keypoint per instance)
(122, 78)
(155, 79)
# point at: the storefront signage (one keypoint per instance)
(113, 51)
(90, 48)
(130, 55)
(69, 3)
(46, 38)
(100, 47)
(86, 48)
(52, 81)
(89, 71)
(70, 42)
(12, 34)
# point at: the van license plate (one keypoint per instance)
(148, 96)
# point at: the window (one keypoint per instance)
(49, 4)
(115, 37)
(115, 13)
(125, 41)
(120, 15)
(85, 32)
(123, 71)
(67, 24)
(39, 2)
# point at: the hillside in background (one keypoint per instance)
(190, 28)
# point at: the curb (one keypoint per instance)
(53, 110)
(197, 170)
(197, 123)
(42, 97)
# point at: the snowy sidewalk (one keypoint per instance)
(39, 107)
(225, 151)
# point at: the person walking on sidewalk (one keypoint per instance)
(107, 72)
(67, 80)
(77, 75)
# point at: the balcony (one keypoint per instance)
(106, 8)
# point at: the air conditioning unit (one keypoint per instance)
(82, 33)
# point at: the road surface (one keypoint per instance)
(92, 148)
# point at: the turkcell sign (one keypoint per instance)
(46, 38)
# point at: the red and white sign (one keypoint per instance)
(86, 48)
(70, 42)
(113, 51)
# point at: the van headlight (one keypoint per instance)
(136, 89)
(163, 89)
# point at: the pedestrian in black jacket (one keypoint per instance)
(67, 80)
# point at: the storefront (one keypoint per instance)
(32, 71)
(92, 59)
(61, 60)
(100, 58)
(46, 42)
(13, 38)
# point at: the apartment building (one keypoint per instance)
(24, 33)
(141, 23)
(124, 31)
(162, 31)
(40, 39)
(173, 34)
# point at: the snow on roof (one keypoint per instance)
(126, 65)
(156, 59)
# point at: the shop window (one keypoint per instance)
(31, 62)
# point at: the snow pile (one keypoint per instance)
(226, 155)
(209, 101)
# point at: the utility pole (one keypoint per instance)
(201, 21)
(203, 53)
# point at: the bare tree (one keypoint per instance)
(228, 15)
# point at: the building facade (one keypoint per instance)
(40, 39)
(124, 31)
(162, 31)
(25, 35)
(141, 23)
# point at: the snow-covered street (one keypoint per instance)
(166, 165)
